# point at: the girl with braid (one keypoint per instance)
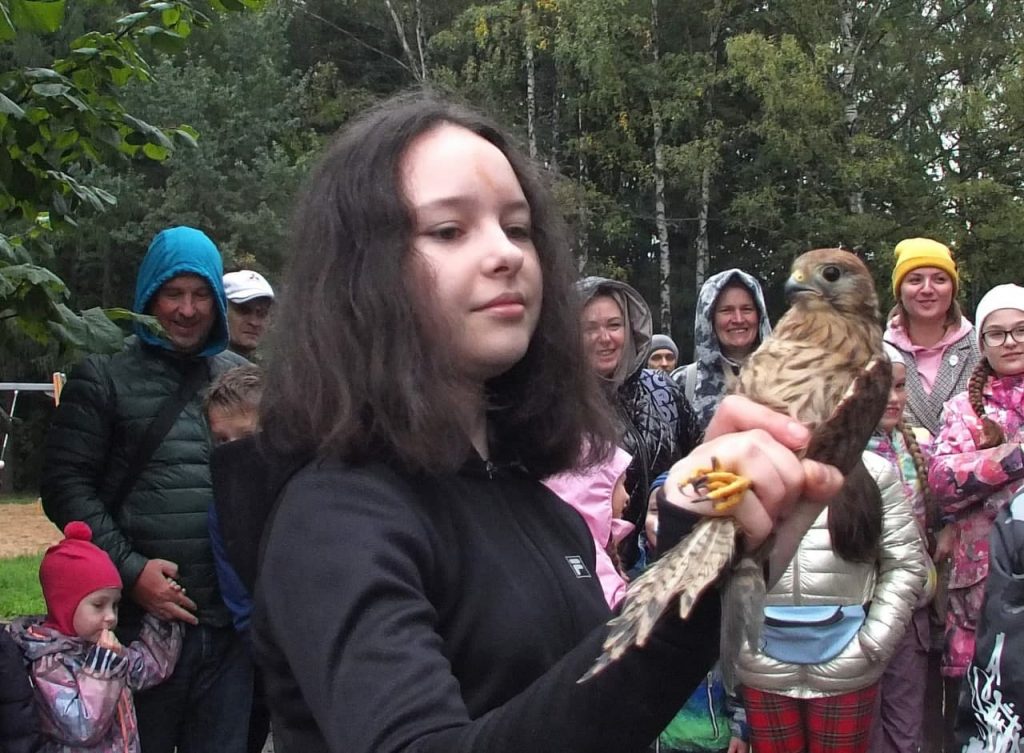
(978, 463)
(899, 724)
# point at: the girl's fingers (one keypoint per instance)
(737, 414)
(777, 479)
(753, 519)
(823, 482)
(775, 473)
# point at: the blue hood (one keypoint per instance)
(177, 251)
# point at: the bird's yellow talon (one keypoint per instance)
(729, 495)
(721, 476)
(722, 488)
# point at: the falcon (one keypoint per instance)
(823, 366)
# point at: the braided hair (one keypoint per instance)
(932, 514)
(991, 432)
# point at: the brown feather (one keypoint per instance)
(683, 573)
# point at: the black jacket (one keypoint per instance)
(19, 719)
(453, 613)
(104, 412)
(992, 694)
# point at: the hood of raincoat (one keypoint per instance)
(711, 380)
(177, 251)
(637, 345)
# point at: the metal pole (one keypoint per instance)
(7, 434)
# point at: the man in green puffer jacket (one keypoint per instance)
(156, 533)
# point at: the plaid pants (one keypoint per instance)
(837, 724)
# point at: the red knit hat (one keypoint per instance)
(70, 571)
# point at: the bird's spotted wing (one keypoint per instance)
(682, 573)
(841, 439)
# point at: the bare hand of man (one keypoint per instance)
(157, 592)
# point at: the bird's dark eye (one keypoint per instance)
(831, 273)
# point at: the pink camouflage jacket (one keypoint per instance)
(973, 485)
(84, 691)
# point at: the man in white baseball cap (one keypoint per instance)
(249, 300)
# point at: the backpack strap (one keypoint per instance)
(690, 384)
(169, 411)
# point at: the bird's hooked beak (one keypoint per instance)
(796, 284)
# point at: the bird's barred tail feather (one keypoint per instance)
(685, 571)
(742, 615)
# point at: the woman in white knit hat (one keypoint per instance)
(977, 463)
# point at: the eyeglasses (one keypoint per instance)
(993, 338)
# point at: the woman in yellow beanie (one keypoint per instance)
(926, 325)
(940, 351)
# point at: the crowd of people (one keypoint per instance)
(405, 522)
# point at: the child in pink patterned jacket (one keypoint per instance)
(977, 463)
(83, 677)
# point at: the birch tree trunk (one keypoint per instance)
(421, 41)
(851, 115)
(531, 82)
(660, 221)
(581, 206)
(415, 64)
(661, 225)
(702, 251)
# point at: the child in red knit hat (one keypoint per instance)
(83, 677)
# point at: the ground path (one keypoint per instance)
(24, 529)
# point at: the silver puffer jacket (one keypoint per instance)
(818, 576)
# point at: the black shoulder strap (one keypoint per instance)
(169, 411)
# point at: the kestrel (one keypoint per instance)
(823, 366)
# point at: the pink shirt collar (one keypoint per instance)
(927, 359)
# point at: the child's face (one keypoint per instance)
(97, 612)
(228, 425)
(897, 399)
(620, 497)
(1006, 359)
(473, 243)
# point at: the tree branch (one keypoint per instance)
(400, 31)
(301, 6)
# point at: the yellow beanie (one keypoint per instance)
(914, 253)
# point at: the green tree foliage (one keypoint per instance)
(783, 126)
(57, 122)
(817, 123)
(237, 183)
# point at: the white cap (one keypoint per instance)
(245, 285)
(894, 353)
(1000, 297)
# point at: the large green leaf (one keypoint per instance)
(45, 16)
(10, 107)
(50, 90)
(37, 277)
(6, 24)
(92, 331)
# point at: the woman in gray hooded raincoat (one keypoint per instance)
(730, 323)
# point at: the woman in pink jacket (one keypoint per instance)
(977, 463)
